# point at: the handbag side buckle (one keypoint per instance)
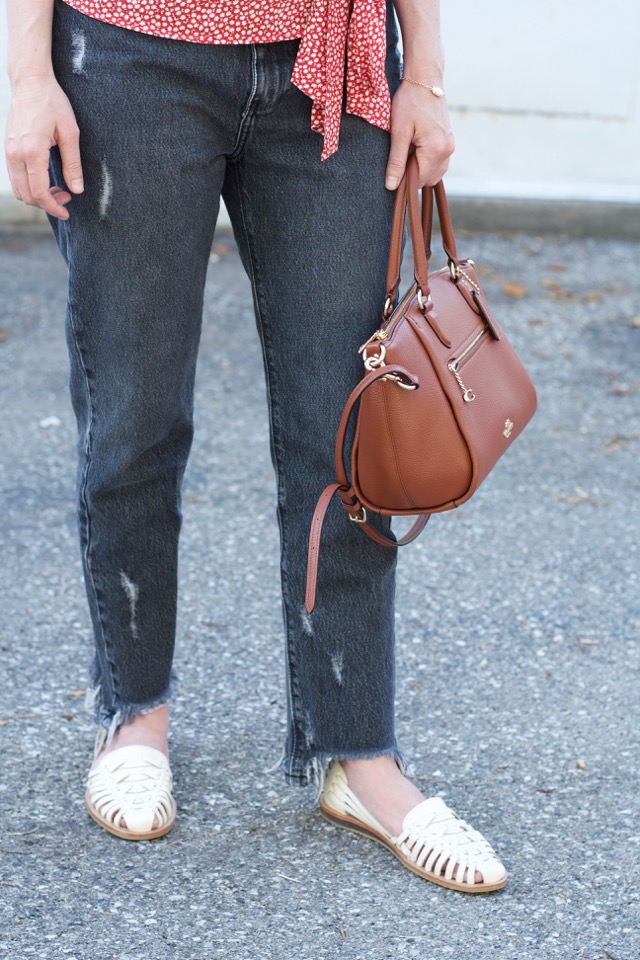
(377, 361)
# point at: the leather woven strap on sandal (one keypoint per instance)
(434, 842)
(132, 784)
(344, 490)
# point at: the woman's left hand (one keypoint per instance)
(419, 122)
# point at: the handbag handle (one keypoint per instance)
(420, 227)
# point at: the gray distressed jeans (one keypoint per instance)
(167, 127)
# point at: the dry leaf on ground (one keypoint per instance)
(583, 496)
(618, 442)
(515, 290)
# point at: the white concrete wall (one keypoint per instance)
(545, 96)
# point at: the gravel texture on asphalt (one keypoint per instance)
(518, 657)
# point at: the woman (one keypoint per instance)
(138, 116)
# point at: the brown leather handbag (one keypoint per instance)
(443, 396)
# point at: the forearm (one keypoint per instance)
(40, 114)
(421, 41)
(29, 50)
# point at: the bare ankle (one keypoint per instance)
(149, 730)
(381, 786)
(370, 763)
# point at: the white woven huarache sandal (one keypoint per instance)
(132, 784)
(433, 842)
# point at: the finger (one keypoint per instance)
(22, 191)
(69, 146)
(20, 183)
(60, 196)
(15, 187)
(400, 143)
(16, 169)
(42, 195)
(54, 205)
(16, 181)
(429, 173)
(433, 166)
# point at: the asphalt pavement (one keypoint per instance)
(518, 657)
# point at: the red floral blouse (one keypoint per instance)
(326, 28)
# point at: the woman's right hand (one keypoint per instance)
(41, 117)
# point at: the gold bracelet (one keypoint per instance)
(435, 90)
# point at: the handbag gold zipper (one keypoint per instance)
(454, 366)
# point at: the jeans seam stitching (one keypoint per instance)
(82, 492)
(291, 683)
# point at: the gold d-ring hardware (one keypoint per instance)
(422, 302)
(454, 270)
(359, 519)
(400, 382)
(377, 360)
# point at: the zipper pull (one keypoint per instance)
(467, 394)
(378, 335)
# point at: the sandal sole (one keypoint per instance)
(355, 826)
